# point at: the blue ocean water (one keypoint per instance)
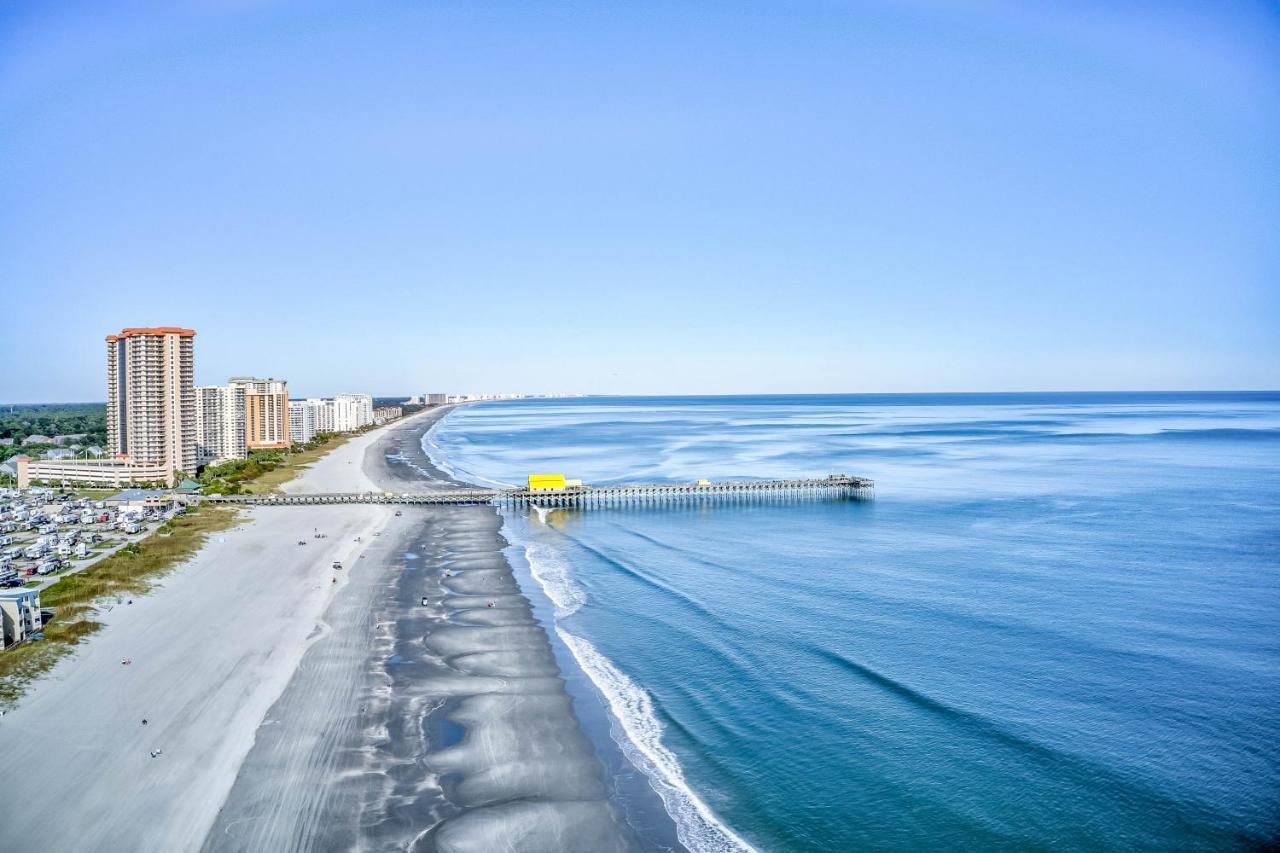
(1057, 626)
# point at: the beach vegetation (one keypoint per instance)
(76, 599)
(266, 470)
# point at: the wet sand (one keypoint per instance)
(443, 726)
(302, 708)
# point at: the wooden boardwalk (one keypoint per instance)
(837, 486)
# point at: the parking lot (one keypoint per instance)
(48, 533)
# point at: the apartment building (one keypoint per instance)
(343, 413)
(302, 421)
(352, 412)
(266, 412)
(220, 423)
(151, 418)
(387, 413)
(20, 616)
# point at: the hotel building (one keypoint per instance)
(220, 423)
(352, 411)
(302, 420)
(344, 413)
(266, 412)
(151, 414)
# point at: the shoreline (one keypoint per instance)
(615, 712)
(300, 708)
(459, 733)
(630, 788)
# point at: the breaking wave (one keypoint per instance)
(696, 825)
(551, 573)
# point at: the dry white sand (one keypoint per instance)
(212, 649)
(281, 732)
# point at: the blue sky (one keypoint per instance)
(645, 197)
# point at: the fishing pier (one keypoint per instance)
(555, 491)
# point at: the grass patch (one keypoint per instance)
(293, 465)
(129, 572)
(266, 470)
(96, 494)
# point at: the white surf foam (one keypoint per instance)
(696, 825)
(551, 573)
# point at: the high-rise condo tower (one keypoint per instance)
(151, 405)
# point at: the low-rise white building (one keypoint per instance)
(88, 472)
(20, 615)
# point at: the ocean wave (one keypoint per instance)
(696, 825)
(551, 573)
(440, 458)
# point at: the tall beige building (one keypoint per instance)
(151, 401)
(266, 412)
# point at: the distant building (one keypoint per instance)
(352, 412)
(71, 438)
(302, 420)
(322, 411)
(20, 616)
(311, 417)
(437, 399)
(386, 413)
(37, 439)
(60, 453)
(343, 413)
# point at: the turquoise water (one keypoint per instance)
(1058, 625)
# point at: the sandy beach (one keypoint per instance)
(298, 713)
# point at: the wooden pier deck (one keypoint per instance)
(837, 486)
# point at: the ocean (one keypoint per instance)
(1056, 626)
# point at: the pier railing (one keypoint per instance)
(837, 486)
